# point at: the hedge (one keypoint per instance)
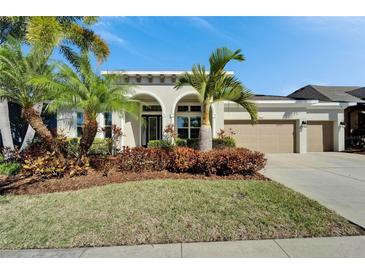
(186, 160)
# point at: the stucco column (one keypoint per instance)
(339, 132)
(301, 136)
(217, 118)
(5, 125)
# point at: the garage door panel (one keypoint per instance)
(320, 136)
(266, 136)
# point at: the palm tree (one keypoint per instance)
(217, 85)
(17, 70)
(48, 32)
(84, 90)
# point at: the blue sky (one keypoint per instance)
(282, 53)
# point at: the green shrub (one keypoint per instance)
(159, 144)
(191, 143)
(101, 146)
(181, 142)
(224, 142)
(10, 168)
(2, 159)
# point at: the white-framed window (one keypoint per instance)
(79, 123)
(108, 124)
(188, 121)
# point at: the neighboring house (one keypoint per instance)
(310, 119)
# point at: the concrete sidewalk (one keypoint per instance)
(333, 247)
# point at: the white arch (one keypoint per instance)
(182, 95)
(154, 96)
(194, 92)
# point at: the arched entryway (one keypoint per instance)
(150, 124)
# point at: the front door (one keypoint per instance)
(151, 128)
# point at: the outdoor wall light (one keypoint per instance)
(304, 124)
(342, 124)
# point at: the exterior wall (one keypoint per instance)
(161, 88)
(300, 114)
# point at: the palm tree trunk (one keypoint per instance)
(205, 133)
(32, 116)
(88, 135)
(29, 135)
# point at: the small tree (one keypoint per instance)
(217, 85)
(17, 73)
(86, 91)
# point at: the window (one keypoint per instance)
(80, 123)
(188, 127)
(107, 125)
(152, 108)
(182, 108)
(189, 108)
(195, 108)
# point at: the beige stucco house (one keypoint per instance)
(304, 121)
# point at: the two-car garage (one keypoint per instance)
(279, 136)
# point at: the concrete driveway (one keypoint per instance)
(334, 179)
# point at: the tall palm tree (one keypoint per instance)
(217, 85)
(48, 32)
(84, 90)
(17, 70)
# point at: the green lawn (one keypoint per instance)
(164, 211)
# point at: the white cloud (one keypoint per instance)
(203, 23)
(112, 38)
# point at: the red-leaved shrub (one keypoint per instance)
(232, 161)
(186, 160)
(139, 159)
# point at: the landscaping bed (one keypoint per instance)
(165, 211)
(34, 185)
(44, 172)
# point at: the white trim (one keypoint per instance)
(151, 72)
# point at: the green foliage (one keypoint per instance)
(181, 142)
(191, 143)
(9, 168)
(18, 73)
(48, 166)
(159, 144)
(218, 85)
(224, 142)
(49, 32)
(88, 91)
(101, 146)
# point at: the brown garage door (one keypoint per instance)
(266, 136)
(320, 136)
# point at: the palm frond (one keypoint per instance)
(221, 56)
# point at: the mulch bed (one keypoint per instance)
(32, 185)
